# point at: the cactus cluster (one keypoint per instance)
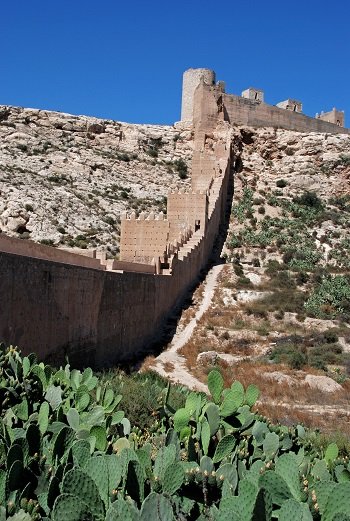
(67, 453)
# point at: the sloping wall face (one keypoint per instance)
(57, 304)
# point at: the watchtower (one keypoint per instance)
(253, 94)
(191, 80)
(334, 116)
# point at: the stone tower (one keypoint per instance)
(334, 116)
(191, 80)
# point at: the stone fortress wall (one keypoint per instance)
(250, 109)
(100, 311)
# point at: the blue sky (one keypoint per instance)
(124, 60)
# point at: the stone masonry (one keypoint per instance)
(250, 109)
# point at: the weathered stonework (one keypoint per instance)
(334, 116)
(191, 80)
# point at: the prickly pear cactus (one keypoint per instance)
(157, 507)
(71, 508)
(80, 485)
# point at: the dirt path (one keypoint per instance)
(177, 370)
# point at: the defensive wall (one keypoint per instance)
(241, 111)
(100, 311)
(251, 110)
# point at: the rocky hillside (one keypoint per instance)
(281, 311)
(65, 179)
(278, 312)
(314, 162)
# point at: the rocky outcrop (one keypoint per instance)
(314, 162)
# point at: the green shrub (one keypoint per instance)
(152, 152)
(309, 199)
(47, 242)
(344, 159)
(123, 156)
(330, 298)
(281, 183)
(181, 168)
(297, 360)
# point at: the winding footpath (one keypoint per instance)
(179, 373)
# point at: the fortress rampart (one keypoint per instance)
(241, 111)
(250, 109)
(100, 311)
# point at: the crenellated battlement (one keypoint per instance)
(142, 216)
(250, 109)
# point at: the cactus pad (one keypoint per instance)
(215, 385)
(156, 508)
(81, 485)
(173, 478)
(292, 510)
(224, 447)
(70, 508)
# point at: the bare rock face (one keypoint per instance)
(314, 162)
(323, 383)
(208, 358)
(280, 378)
(65, 179)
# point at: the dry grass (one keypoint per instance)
(168, 367)
(292, 415)
(147, 363)
(189, 312)
(297, 403)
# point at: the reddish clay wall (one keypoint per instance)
(143, 240)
